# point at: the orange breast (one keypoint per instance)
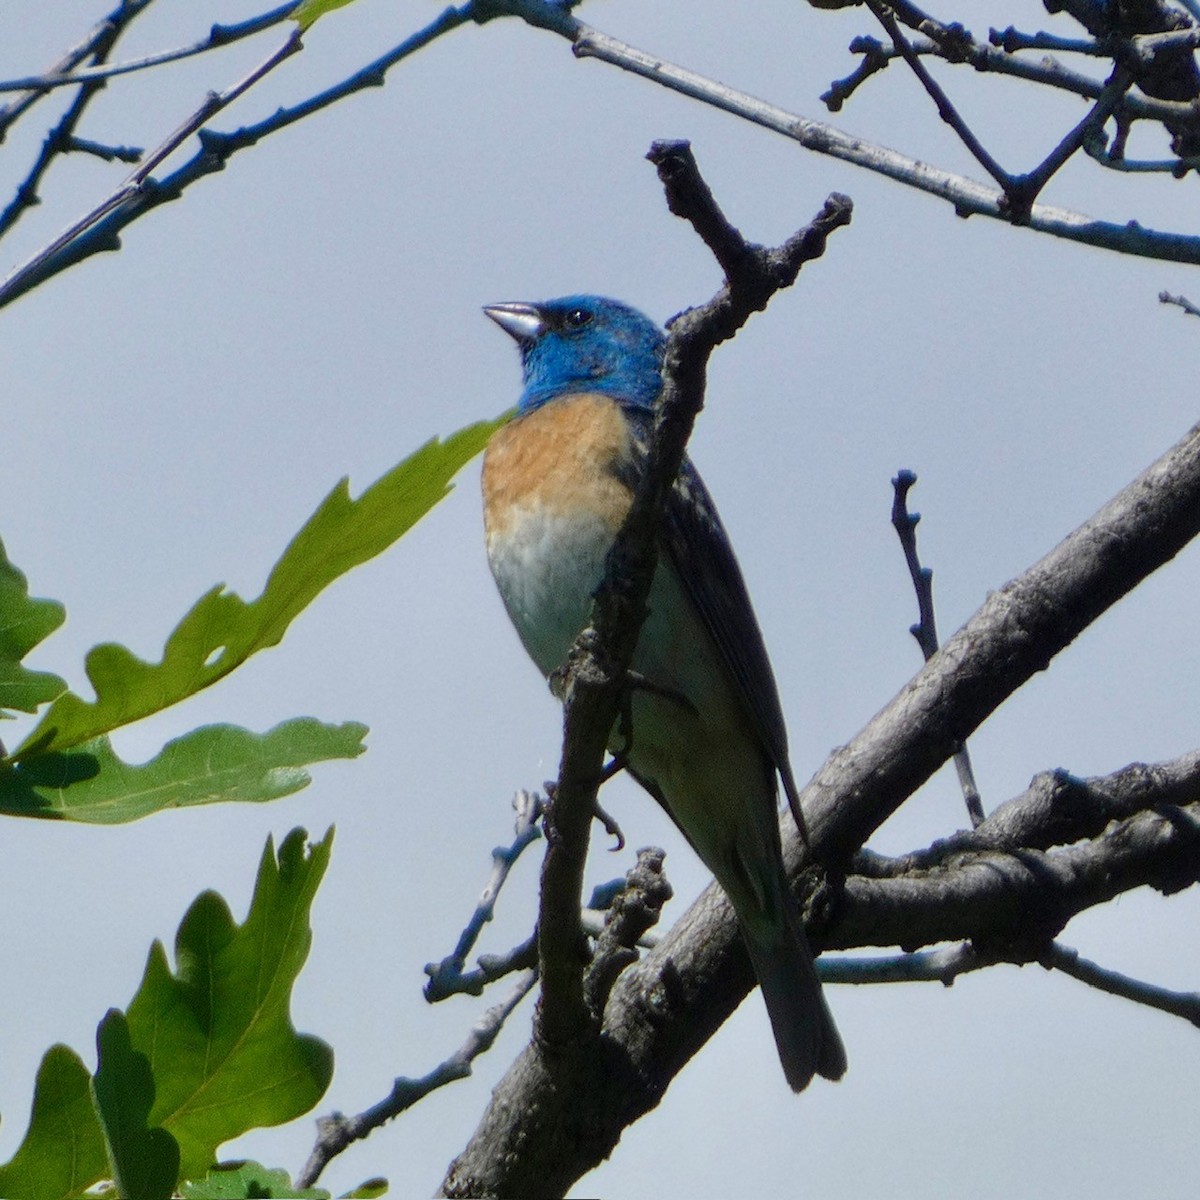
(559, 459)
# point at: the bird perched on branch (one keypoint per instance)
(706, 737)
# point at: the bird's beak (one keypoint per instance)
(520, 321)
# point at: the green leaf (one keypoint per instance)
(307, 11)
(248, 1181)
(63, 1150)
(144, 1160)
(24, 622)
(371, 1189)
(218, 1032)
(222, 630)
(210, 764)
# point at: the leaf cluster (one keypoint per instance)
(206, 1051)
(66, 767)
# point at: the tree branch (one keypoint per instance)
(99, 230)
(61, 139)
(1178, 1004)
(968, 197)
(336, 1132)
(448, 978)
(925, 630)
(664, 1008)
(571, 1087)
(1015, 634)
(96, 44)
(218, 37)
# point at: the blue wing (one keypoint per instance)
(696, 543)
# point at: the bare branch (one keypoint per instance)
(1026, 188)
(635, 910)
(61, 139)
(1056, 809)
(336, 1132)
(1011, 40)
(1016, 633)
(1178, 1004)
(664, 1008)
(1014, 903)
(72, 245)
(945, 964)
(447, 978)
(99, 230)
(218, 37)
(97, 44)
(1182, 301)
(567, 1057)
(946, 110)
(968, 197)
(925, 630)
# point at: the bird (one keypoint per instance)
(704, 734)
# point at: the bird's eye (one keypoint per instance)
(577, 318)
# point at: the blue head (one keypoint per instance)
(584, 344)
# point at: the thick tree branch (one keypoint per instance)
(1056, 809)
(1018, 901)
(1014, 635)
(663, 1009)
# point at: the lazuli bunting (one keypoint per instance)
(707, 736)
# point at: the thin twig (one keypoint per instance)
(99, 231)
(943, 965)
(1182, 301)
(1026, 188)
(1069, 961)
(218, 37)
(126, 154)
(336, 1132)
(968, 197)
(875, 58)
(925, 630)
(61, 139)
(961, 48)
(1011, 40)
(447, 978)
(66, 247)
(945, 108)
(97, 43)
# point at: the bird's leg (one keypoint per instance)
(607, 820)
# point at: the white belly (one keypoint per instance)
(547, 568)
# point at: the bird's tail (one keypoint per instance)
(805, 1035)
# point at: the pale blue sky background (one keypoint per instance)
(174, 412)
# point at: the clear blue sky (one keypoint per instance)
(174, 412)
